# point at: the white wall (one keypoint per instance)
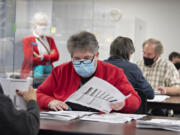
(107, 27)
(162, 18)
(70, 17)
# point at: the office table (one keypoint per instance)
(171, 103)
(57, 127)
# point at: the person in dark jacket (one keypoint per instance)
(120, 51)
(19, 122)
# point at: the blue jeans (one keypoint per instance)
(40, 74)
(41, 70)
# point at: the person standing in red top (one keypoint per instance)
(67, 78)
(39, 50)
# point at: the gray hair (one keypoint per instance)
(123, 47)
(39, 17)
(85, 41)
(159, 47)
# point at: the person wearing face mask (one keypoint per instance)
(39, 51)
(159, 72)
(121, 50)
(67, 78)
(174, 57)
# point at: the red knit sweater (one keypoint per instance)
(30, 45)
(63, 81)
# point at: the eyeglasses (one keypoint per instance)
(84, 61)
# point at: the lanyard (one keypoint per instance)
(43, 45)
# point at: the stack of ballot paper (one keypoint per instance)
(97, 94)
(64, 115)
(166, 124)
(157, 92)
(113, 117)
(158, 98)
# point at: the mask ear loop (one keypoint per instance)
(156, 57)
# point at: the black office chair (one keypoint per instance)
(143, 107)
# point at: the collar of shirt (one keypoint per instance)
(115, 57)
(37, 36)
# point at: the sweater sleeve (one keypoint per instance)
(48, 57)
(133, 102)
(54, 56)
(21, 122)
(28, 50)
(28, 53)
(45, 90)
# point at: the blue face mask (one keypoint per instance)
(84, 69)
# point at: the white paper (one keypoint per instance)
(167, 124)
(10, 86)
(113, 117)
(157, 92)
(64, 115)
(90, 116)
(158, 98)
(97, 94)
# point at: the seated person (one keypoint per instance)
(67, 78)
(174, 57)
(39, 51)
(120, 51)
(19, 122)
(159, 72)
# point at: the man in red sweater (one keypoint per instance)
(67, 78)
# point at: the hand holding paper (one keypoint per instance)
(11, 85)
(28, 95)
(99, 94)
